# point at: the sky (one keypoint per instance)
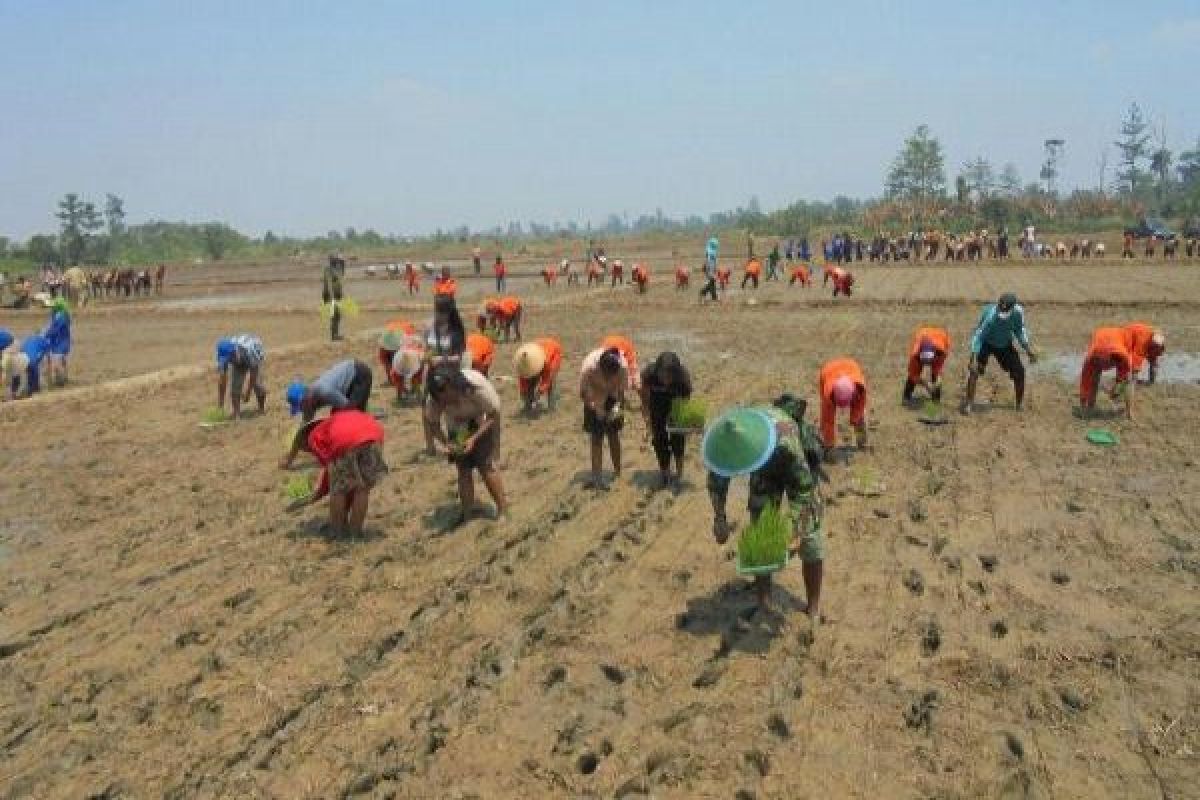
(302, 117)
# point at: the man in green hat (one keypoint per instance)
(781, 453)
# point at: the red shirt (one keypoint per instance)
(338, 434)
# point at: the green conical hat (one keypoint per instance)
(392, 340)
(739, 442)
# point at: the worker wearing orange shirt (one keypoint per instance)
(1146, 346)
(1109, 349)
(537, 365)
(723, 276)
(625, 347)
(842, 280)
(753, 272)
(412, 278)
(800, 273)
(395, 333)
(444, 284)
(618, 273)
(640, 277)
(842, 385)
(483, 352)
(683, 277)
(506, 317)
(929, 348)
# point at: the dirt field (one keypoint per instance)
(1014, 615)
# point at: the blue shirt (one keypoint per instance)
(58, 333)
(6, 339)
(35, 348)
(998, 332)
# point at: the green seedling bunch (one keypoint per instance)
(215, 415)
(298, 487)
(765, 541)
(690, 412)
(348, 305)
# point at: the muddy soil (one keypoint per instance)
(1010, 612)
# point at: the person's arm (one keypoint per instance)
(433, 419)
(1151, 371)
(828, 424)
(222, 380)
(251, 382)
(858, 415)
(1129, 399)
(1023, 337)
(489, 419)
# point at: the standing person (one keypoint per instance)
(625, 347)
(477, 259)
(58, 334)
(929, 348)
(500, 270)
(998, 325)
(470, 406)
(347, 384)
(773, 263)
(618, 273)
(841, 384)
(753, 272)
(537, 365)
(412, 278)
(663, 382)
(1110, 348)
(603, 378)
(711, 250)
(1127, 245)
(790, 251)
(1146, 346)
(482, 351)
(331, 293)
(778, 449)
(710, 281)
(245, 354)
(349, 447)
(805, 250)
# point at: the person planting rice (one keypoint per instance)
(482, 351)
(842, 385)
(6, 340)
(663, 383)
(537, 365)
(603, 379)
(471, 408)
(801, 274)
(395, 334)
(641, 277)
(595, 272)
(618, 273)
(724, 274)
(682, 277)
(928, 350)
(506, 317)
(22, 369)
(999, 324)
(58, 334)
(1146, 345)
(550, 275)
(1110, 348)
(243, 353)
(331, 293)
(773, 259)
(753, 272)
(485, 317)
(781, 454)
(349, 447)
(628, 353)
(407, 371)
(345, 385)
(843, 280)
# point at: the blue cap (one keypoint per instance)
(295, 396)
(225, 350)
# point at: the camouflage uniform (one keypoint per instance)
(331, 291)
(787, 472)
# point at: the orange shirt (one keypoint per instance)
(1114, 344)
(754, 267)
(627, 352)
(403, 326)
(554, 360)
(482, 350)
(1139, 336)
(508, 307)
(830, 372)
(447, 286)
(639, 274)
(940, 340)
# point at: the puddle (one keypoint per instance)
(1172, 367)
(681, 342)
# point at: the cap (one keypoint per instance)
(739, 442)
(843, 391)
(295, 396)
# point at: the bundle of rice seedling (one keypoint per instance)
(215, 416)
(298, 487)
(689, 413)
(348, 306)
(764, 543)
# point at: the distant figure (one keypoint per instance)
(477, 259)
(331, 293)
(500, 269)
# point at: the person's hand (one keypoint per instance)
(299, 503)
(469, 444)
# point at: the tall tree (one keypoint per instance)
(1188, 166)
(217, 239)
(1009, 182)
(114, 215)
(979, 176)
(918, 172)
(41, 250)
(70, 216)
(1133, 146)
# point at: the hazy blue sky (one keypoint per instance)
(303, 116)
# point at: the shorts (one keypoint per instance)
(599, 428)
(1006, 357)
(360, 468)
(484, 454)
(238, 377)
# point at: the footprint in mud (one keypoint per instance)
(919, 715)
(777, 725)
(988, 562)
(709, 676)
(1072, 699)
(759, 760)
(1059, 577)
(999, 629)
(931, 638)
(914, 582)
(614, 674)
(556, 676)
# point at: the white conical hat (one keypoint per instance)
(529, 360)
